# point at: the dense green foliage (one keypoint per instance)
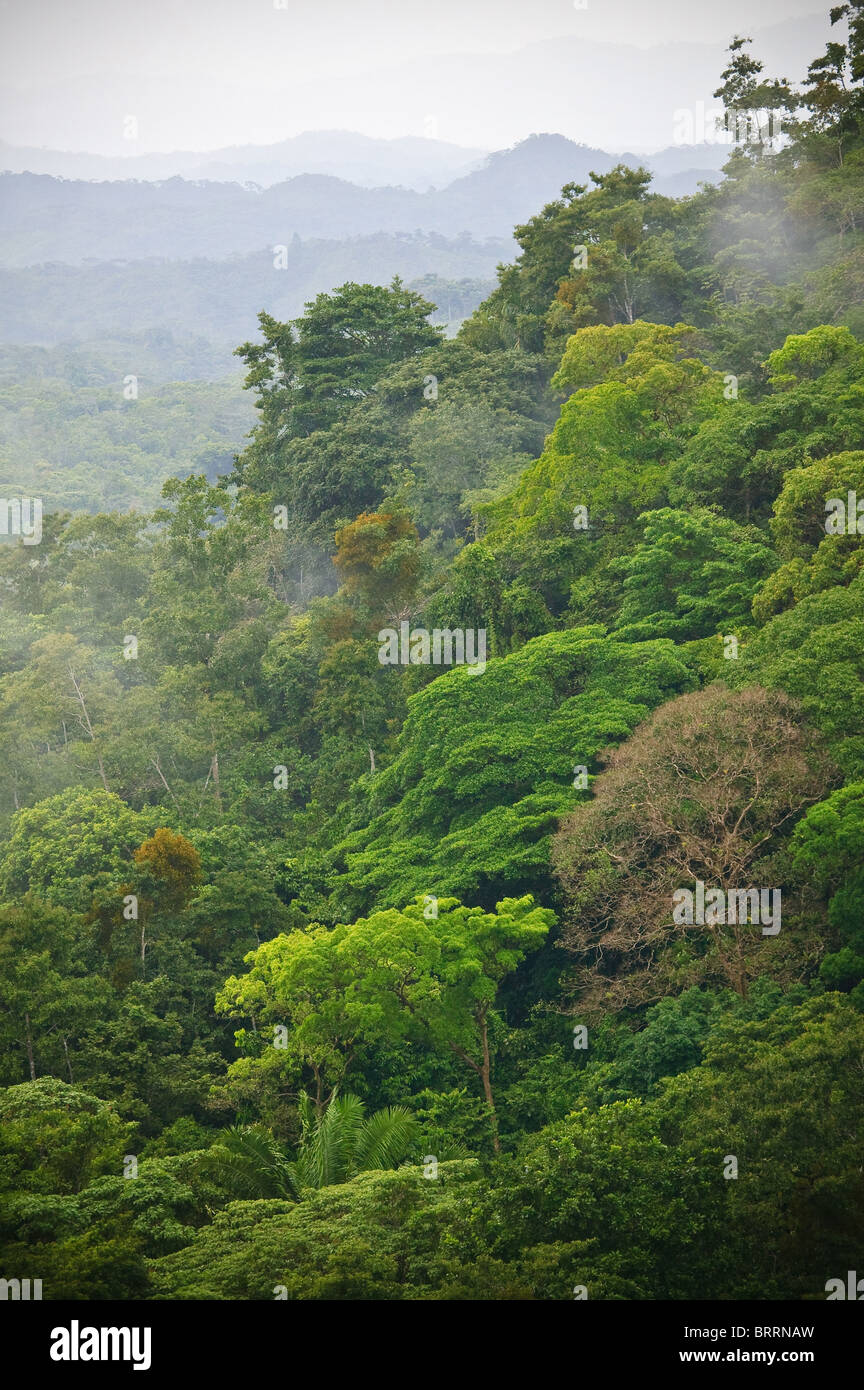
(97, 447)
(326, 976)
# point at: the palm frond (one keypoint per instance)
(336, 1138)
(384, 1139)
(249, 1162)
(342, 1142)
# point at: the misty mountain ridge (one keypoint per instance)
(48, 219)
(419, 164)
(410, 161)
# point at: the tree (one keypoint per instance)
(50, 996)
(306, 373)
(344, 1141)
(207, 576)
(67, 846)
(630, 267)
(829, 845)
(394, 975)
(815, 653)
(832, 98)
(485, 765)
(751, 102)
(630, 1200)
(694, 574)
(66, 691)
(600, 255)
(56, 1138)
(738, 458)
(781, 1095)
(806, 507)
(158, 1059)
(172, 865)
(456, 449)
(638, 395)
(351, 708)
(379, 563)
(368, 1239)
(248, 1162)
(704, 792)
(169, 868)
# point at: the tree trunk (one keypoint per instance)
(85, 723)
(486, 1075)
(484, 1071)
(319, 1091)
(214, 768)
(154, 762)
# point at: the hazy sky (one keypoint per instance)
(200, 74)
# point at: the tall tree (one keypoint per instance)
(706, 790)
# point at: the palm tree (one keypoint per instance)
(334, 1147)
(250, 1163)
(340, 1143)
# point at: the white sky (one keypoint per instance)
(201, 74)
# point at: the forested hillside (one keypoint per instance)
(85, 434)
(336, 965)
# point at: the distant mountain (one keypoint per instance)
(679, 159)
(46, 219)
(409, 162)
